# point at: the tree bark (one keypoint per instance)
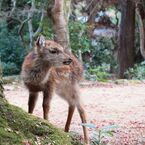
(1, 83)
(61, 9)
(141, 18)
(92, 9)
(126, 51)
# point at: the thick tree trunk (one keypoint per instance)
(141, 20)
(59, 11)
(126, 51)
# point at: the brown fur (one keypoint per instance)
(44, 69)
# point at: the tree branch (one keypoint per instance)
(30, 27)
(14, 7)
(21, 28)
(39, 29)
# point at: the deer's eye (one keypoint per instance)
(53, 51)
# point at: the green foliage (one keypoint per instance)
(100, 134)
(78, 37)
(102, 51)
(47, 28)
(99, 73)
(137, 72)
(21, 3)
(10, 68)
(11, 51)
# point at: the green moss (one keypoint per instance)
(18, 127)
(8, 137)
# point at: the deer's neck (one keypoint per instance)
(38, 74)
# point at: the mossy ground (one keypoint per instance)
(19, 128)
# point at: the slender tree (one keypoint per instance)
(1, 83)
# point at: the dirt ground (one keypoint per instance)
(106, 104)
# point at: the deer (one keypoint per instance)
(48, 68)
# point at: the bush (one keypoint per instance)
(11, 51)
(102, 52)
(137, 72)
(99, 73)
(79, 37)
(10, 68)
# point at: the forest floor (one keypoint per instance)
(121, 104)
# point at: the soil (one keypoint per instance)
(106, 104)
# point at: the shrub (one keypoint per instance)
(11, 51)
(102, 52)
(10, 68)
(101, 136)
(137, 72)
(99, 73)
(78, 37)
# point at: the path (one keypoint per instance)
(106, 104)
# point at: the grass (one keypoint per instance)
(19, 128)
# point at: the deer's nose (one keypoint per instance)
(70, 60)
(67, 62)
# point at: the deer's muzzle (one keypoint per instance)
(67, 62)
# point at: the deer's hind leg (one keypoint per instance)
(82, 114)
(73, 98)
(81, 110)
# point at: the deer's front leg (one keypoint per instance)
(32, 101)
(47, 96)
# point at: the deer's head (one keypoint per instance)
(51, 52)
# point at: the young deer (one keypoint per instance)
(48, 68)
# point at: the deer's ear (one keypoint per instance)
(40, 42)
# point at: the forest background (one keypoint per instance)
(108, 36)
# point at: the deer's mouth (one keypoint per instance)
(67, 62)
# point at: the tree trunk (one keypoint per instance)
(61, 9)
(126, 51)
(92, 9)
(1, 83)
(141, 20)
